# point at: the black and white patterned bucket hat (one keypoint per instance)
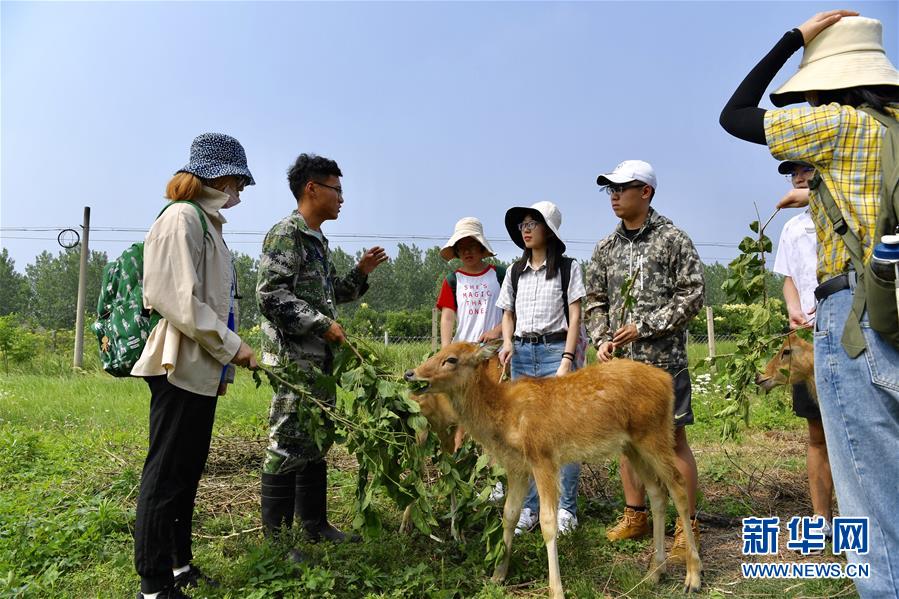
(217, 155)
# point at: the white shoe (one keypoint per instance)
(566, 521)
(527, 521)
(497, 494)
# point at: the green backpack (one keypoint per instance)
(871, 293)
(123, 324)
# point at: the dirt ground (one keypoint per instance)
(762, 475)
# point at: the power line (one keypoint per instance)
(334, 236)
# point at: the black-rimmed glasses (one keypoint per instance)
(619, 187)
(339, 190)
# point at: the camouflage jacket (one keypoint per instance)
(297, 291)
(668, 290)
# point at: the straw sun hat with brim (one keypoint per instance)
(544, 212)
(849, 53)
(466, 227)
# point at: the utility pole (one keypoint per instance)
(82, 289)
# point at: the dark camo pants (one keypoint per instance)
(290, 446)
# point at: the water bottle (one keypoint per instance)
(885, 261)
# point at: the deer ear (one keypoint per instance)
(489, 349)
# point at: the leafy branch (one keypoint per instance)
(373, 416)
(746, 284)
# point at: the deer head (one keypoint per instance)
(793, 363)
(452, 368)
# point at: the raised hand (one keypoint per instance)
(821, 21)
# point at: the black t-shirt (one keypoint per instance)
(631, 233)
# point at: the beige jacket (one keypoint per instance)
(187, 279)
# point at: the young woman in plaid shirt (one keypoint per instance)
(537, 338)
(844, 67)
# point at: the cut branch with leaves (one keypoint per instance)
(747, 284)
(373, 416)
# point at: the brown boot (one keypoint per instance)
(678, 553)
(632, 525)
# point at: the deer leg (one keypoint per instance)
(657, 501)
(547, 479)
(454, 531)
(517, 488)
(662, 462)
(406, 521)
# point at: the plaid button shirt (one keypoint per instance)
(538, 303)
(844, 145)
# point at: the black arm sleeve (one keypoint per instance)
(742, 116)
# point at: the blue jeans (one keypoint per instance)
(539, 360)
(859, 401)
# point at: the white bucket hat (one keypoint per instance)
(547, 212)
(466, 227)
(849, 53)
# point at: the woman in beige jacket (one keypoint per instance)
(189, 280)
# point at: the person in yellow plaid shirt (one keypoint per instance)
(844, 66)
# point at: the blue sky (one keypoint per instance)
(434, 111)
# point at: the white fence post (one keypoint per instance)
(710, 329)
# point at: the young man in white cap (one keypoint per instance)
(795, 260)
(667, 275)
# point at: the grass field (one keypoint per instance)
(72, 446)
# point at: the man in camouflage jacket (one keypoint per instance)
(298, 291)
(658, 264)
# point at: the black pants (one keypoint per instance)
(180, 433)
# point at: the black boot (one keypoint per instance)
(312, 505)
(278, 495)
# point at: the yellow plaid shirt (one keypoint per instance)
(844, 145)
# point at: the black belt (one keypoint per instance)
(548, 338)
(831, 286)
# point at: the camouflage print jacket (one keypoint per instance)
(668, 290)
(298, 291)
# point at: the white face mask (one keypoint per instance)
(233, 198)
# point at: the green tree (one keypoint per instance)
(13, 286)
(17, 344)
(716, 274)
(53, 287)
(246, 268)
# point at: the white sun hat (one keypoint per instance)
(466, 227)
(849, 53)
(547, 212)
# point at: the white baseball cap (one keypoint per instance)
(630, 170)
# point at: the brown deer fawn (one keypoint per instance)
(442, 419)
(534, 426)
(793, 363)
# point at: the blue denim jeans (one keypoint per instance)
(539, 360)
(859, 401)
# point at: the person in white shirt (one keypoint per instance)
(541, 299)
(467, 300)
(796, 260)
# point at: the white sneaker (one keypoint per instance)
(527, 521)
(566, 521)
(827, 530)
(497, 494)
